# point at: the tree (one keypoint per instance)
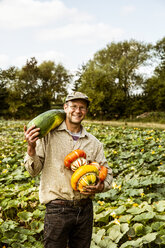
(7, 77)
(154, 88)
(27, 88)
(3, 95)
(40, 86)
(113, 74)
(160, 52)
(53, 83)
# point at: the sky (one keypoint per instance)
(70, 32)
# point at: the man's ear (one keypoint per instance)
(65, 106)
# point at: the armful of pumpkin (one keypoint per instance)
(88, 178)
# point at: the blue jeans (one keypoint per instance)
(68, 225)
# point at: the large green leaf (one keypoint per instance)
(97, 237)
(156, 226)
(140, 241)
(159, 206)
(25, 216)
(8, 225)
(139, 229)
(144, 216)
(37, 226)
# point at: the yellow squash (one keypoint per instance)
(83, 176)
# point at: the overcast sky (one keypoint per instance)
(71, 31)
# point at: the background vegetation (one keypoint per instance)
(123, 80)
(131, 214)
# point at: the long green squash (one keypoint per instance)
(48, 121)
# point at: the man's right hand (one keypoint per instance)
(31, 136)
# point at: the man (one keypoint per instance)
(69, 214)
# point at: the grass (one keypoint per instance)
(129, 124)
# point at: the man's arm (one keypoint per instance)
(33, 163)
(107, 183)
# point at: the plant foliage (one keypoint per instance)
(131, 214)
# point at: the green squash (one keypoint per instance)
(48, 121)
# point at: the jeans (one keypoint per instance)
(68, 226)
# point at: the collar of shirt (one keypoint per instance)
(64, 127)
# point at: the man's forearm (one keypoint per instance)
(33, 164)
(31, 151)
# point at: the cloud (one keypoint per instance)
(82, 32)
(4, 61)
(129, 9)
(54, 21)
(30, 13)
(45, 27)
(20, 61)
(49, 55)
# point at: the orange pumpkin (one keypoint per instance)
(72, 156)
(103, 171)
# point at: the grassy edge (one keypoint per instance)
(129, 124)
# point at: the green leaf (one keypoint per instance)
(156, 226)
(139, 229)
(93, 245)
(37, 226)
(12, 204)
(114, 232)
(24, 231)
(103, 217)
(159, 206)
(148, 238)
(120, 210)
(98, 236)
(160, 217)
(107, 243)
(135, 210)
(17, 245)
(38, 244)
(8, 225)
(144, 216)
(125, 218)
(162, 239)
(124, 228)
(38, 214)
(20, 237)
(31, 239)
(25, 216)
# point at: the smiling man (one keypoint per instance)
(69, 213)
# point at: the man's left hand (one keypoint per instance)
(93, 189)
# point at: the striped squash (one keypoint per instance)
(83, 176)
(48, 121)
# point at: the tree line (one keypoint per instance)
(118, 81)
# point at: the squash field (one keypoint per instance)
(131, 214)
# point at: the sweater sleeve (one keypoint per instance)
(34, 164)
(102, 160)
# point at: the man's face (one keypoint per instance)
(75, 111)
